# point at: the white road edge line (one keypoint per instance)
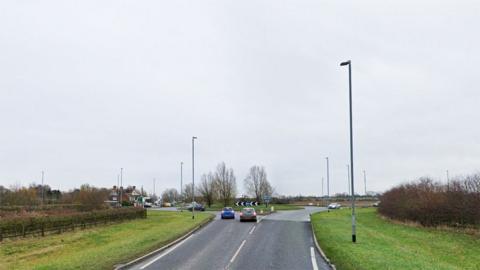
(238, 251)
(314, 261)
(251, 231)
(165, 253)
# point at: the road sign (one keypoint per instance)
(254, 203)
(266, 198)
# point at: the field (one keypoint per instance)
(100, 247)
(218, 207)
(382, 244)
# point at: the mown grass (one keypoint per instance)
(219, 206)
(100, 247)
(382, 244)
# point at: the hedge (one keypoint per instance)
(432, 204)
(43, 225)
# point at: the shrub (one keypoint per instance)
(431, 203)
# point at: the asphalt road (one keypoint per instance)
(279, 241)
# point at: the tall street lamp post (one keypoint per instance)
(349, 64)
(193, 177)
(328, 181)
(365, 181)
(181, 186)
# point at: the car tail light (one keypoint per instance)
(241, 214)
(254, 214)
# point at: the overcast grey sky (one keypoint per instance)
(87, 87)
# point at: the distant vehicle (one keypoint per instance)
(196, 206)
(147, 202)
(248, 214)
(228, 212)
(376, 204)
(334, 206)
(158, 202)
(167, 204)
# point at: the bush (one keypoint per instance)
(431, 203)
(41, 225)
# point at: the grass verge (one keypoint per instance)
(382, 244)
(98, 248)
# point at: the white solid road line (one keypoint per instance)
(314, 261)
(251, 231)
(238, 251)
(165, 253)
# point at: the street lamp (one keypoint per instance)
(348, 178)
(365, 181)
(328, 181)
(349, 64)
(193, 177)
(43, 188)
(121, 187)
(181, 186)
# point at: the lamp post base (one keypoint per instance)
(354, 238)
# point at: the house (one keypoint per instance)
(129, 194)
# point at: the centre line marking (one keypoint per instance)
(314, 261)
(165, 253)
(251, 231)
(238, 251)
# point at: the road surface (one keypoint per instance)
(279, 241)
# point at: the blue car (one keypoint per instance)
(228, 212)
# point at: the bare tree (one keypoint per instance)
(256, 183)
(187, 193)
(226, 183)
(252, 182)
(207, 188)
(170, 195)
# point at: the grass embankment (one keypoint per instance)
(98, 248)
(382, 244)
(219, 207)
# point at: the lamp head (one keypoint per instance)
(345, 63)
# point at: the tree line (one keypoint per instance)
(34, 195)
(221, 186)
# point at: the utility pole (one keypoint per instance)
(121, 186)
(193, 177)
(349, 63)
(365, 181)
(43, 188)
